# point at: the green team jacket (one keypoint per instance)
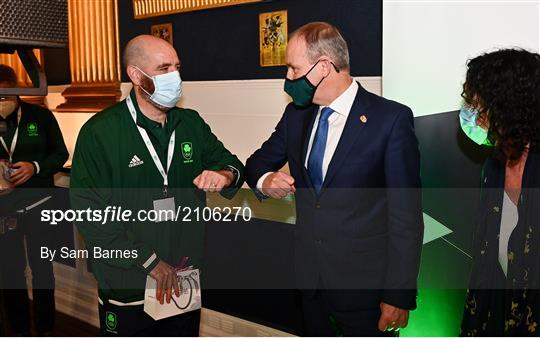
(113, 167)
(40, 141)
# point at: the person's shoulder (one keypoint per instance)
(188, 116)
(36, 110)
(107, 120)
(187, 113)
(388, 112)
(293, 108)
(294, 114)
(389, 107)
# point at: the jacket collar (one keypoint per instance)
(173, 116)
(352, 130)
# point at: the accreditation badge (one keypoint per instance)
(165, 209)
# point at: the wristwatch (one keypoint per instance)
(35, 167)
(235, 172)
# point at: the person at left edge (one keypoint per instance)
(36, 150)
(113, 165)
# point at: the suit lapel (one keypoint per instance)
(309, 121)
(352, 130)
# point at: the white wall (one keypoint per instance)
(426, 44)
(242, 114)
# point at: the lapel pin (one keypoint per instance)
(363, 119)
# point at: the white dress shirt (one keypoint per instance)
(509, 220)
(341, 106)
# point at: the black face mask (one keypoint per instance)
(301, 90)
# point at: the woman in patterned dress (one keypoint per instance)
(502, 110)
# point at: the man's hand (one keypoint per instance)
(166, 281)
(214, 181)
(22, 172)
(278, 185)
(392, 318)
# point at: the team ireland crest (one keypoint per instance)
(32, 129)
(187, 151)
(111, 320)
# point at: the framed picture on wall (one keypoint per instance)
(273, 38)
(163, 31)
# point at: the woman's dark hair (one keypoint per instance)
(504, 86)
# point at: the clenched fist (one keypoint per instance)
(278, 185)
(214, 181)
(392, 318)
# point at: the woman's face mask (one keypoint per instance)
(167, 88)
(468, 120)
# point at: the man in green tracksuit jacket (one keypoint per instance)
(36, 150)
(144, 153)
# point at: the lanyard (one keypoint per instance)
(15, 138)
(151, 149)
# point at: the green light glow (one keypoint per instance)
(438, 314)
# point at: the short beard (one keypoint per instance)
(148, 86)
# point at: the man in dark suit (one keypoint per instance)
(354, 163)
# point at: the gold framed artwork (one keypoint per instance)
(163, 31)
(149, 8)
(273, 38)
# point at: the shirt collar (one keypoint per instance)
(343, 103)
(149, 124)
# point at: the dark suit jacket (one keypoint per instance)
(364, 230)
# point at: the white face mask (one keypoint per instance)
(167, 88)
(7, 107)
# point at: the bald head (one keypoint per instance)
(146, 56)
(151, 55)
(140, 50)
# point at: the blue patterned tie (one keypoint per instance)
(316, 155)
